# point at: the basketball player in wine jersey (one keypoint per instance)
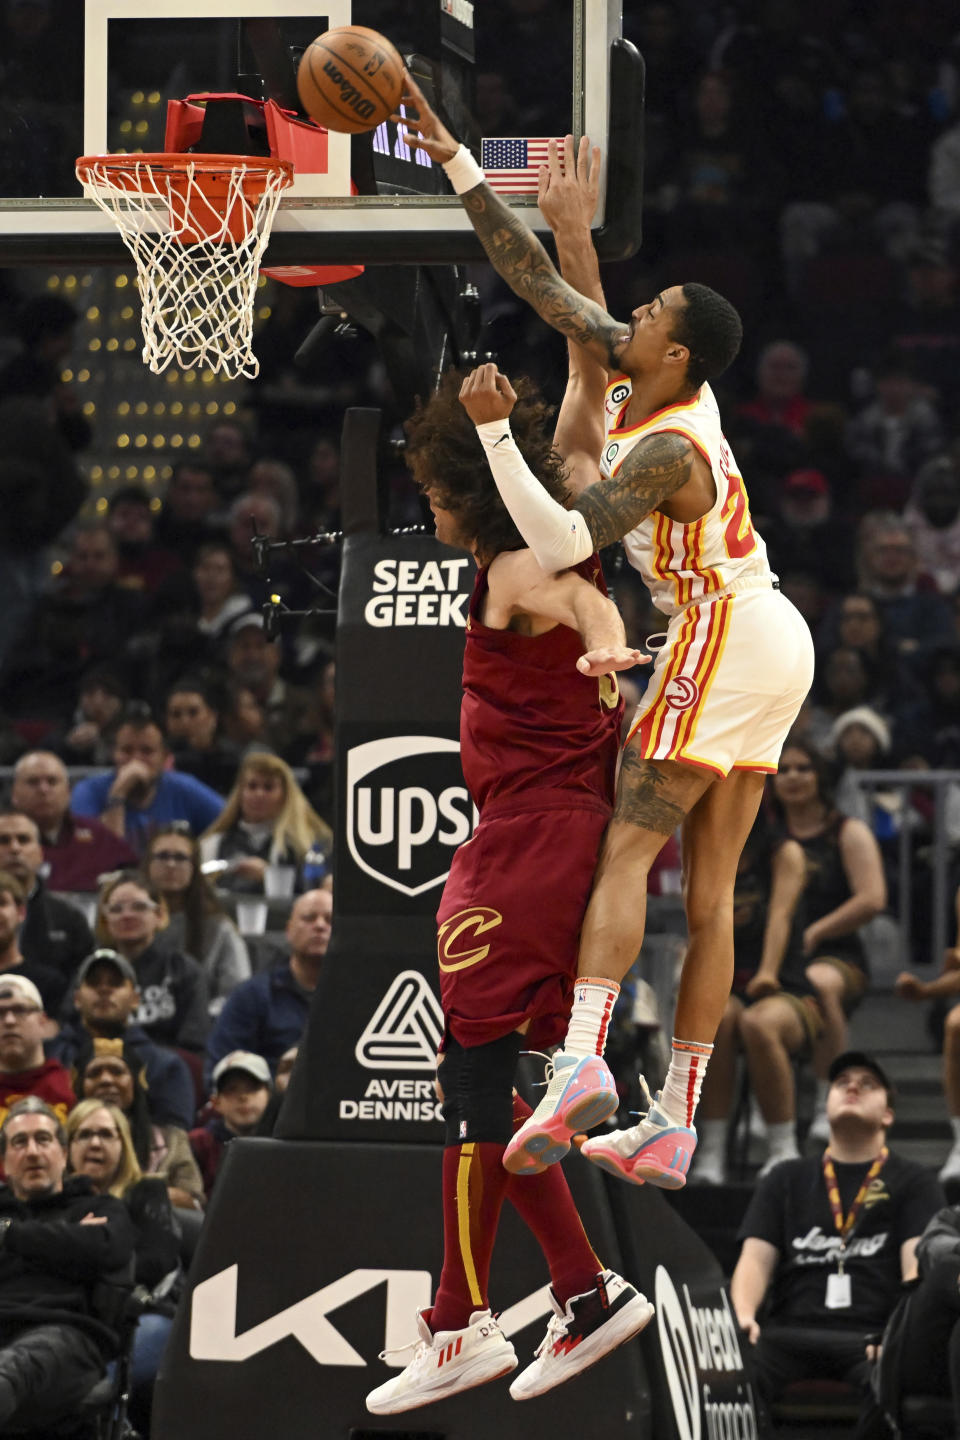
(728, 682)
(539, 738)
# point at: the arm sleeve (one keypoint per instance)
(940, 1240)
(170, 1097)
(559, 538)
(86, 798)
(923, 1199)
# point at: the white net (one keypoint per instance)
(197, 235)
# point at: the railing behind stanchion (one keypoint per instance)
(939, 782)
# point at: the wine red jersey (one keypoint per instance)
(529, 721)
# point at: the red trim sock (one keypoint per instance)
(474, 1182)
(546, 1207)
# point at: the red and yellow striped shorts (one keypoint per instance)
(727, 684)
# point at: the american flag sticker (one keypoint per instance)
(512, 166)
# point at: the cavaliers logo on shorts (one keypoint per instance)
(682, 693)
(459, 942)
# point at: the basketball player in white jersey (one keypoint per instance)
(729, 680)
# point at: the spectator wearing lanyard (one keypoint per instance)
(828, 1240)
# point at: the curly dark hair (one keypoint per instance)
(446, 457)
(712, 331)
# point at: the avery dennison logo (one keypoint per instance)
(405, 1030)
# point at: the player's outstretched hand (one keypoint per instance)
(487, 395)
(427, 131)
(567, 193)
(611, 657)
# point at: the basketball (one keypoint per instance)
(350, 79)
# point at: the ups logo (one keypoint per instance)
(457, 936)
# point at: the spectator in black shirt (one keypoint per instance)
(55, 934)
(828, 1240)
(58, 1239)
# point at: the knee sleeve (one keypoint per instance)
(478, 1090)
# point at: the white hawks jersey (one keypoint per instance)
(681, 563)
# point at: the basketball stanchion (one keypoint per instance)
(197, 227)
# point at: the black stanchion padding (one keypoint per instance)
(332, 1244)
(697, 1361)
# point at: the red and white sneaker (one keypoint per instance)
(581, 1093)
(581, 1332)
(445, 1363)
(657, 1149)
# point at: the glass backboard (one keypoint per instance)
(91, 76)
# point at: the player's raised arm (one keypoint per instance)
(567, 196)
(656, 468)
(512, 248)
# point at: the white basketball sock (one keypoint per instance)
(681, 1089)
(593, 1002)
(782, 1140)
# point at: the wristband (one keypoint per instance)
(463, 172)
(114, 801)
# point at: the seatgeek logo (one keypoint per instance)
(418, 593)
(407, 810)
(709, 1389)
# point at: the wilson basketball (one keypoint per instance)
(350, 79)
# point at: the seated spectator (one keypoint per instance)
(274, 478)
(140, 792)
(914, 618)
(60, 1238)
(773, 1013)
(99, 1146)
(220, 599)
(226, 453)
(241, 1093)
(927, 726)
(106, 1001)
(197, 924)
(89, 736)
(845, 887)
(188, 519)
(254, 661)
(173, 989)
(932, 517)
(77, 852)
(845, 678)
(921, 1353)
(267, 1014)
(828, 1241)
(267, 820)
(24, 1070)
(894, 435)
(859, 740)
(143, 563)
(245, 719)
(780, 401)
(54, 934)
(86, 618)
(193, 733)
(161, 1150)
(806, 534)
(51, 983)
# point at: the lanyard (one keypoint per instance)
(845, 1226)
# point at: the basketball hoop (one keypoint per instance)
(197, 227)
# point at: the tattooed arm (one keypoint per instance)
(512, 248)
(656, 468)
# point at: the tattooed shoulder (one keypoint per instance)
(654, 469)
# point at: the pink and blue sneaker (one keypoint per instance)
(581, 1093)
(657, 1149)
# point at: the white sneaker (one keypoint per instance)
(819, 1128)
(951, 1168)
(708, 1170)
(773, 1160)
(658, 1149)
(581, 1093)
(581, 1332)
(445, 1363)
